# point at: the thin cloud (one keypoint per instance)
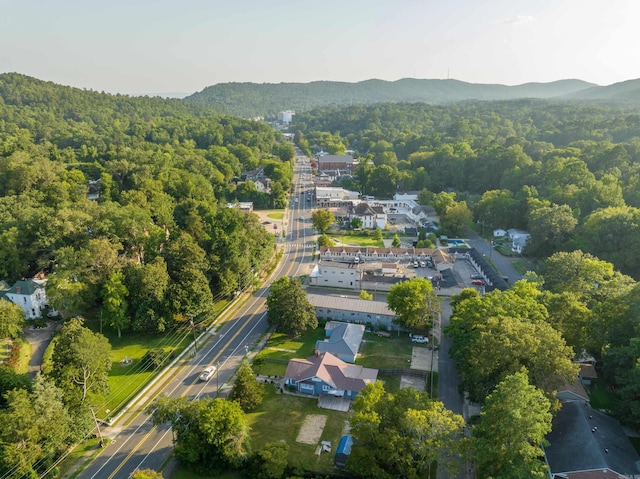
(518, 20)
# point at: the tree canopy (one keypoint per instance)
(402, 434)
(288, 308)
(415, 303)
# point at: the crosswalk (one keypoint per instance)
(298, 245)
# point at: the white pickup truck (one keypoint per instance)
(418, 339)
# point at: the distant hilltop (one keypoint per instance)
(263, 99)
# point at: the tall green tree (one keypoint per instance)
(11, 320)
(288, 308)
(322, 220)
(81, 362)
(414, 302)
(35, 429)
(211, 434)
(114, 302)
(514, 422)
(247, 391)
(269, 462)
(403, 434)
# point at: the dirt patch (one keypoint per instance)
(311, 429)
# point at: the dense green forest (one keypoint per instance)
(165, 171)
(567, 172)
(265, 99)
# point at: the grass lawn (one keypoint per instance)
(600, 397)
(282, 347)
(275, 216)
(385, 353)
(347, 240)
(520, 266)
(78, 452)
(126, 380)
(280, 417)
(25, 356)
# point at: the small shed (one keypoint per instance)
(343, 451)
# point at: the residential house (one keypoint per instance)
(518, 239)
(343, 340)
(30, 295)
(353, 310)
(325, 374)
(588, 444)
(499, 233)
(365, 214)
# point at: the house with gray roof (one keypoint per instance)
(353, 310)
(325, 374)
(586, 443)
(343, 340)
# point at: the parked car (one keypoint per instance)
(477, 282)
(418, 339)
(476, 276)
(208, 373)
(415, 264)
(423, 264)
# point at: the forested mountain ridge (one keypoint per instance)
(253, 99)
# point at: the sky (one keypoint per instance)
(167, 46)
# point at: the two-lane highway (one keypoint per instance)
(142, 445)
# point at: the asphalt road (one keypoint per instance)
(139, 444)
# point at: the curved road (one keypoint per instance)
(142, 445)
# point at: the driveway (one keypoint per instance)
(502, 263)
(39, 338)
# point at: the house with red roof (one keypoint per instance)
(325, 374)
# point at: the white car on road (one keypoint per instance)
(208, 373)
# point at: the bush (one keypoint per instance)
(14, 357)
(154, 358)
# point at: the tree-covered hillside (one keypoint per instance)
(253, 99)
(159, 233)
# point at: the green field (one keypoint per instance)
(356, 240)
(280, 417)
(126, 380)
(275, 216)
(385, 353)
(281, 347)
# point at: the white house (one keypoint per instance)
(365, 213)
(499, 233)
(30, 295)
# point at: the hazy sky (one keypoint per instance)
(159, 46)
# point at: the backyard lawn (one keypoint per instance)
(275, 216)
(385, 353)
(357, 240)
(280, 418)
(282, 347)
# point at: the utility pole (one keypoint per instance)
(95, 419)
(193, 329)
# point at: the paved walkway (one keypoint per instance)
(39, 339)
